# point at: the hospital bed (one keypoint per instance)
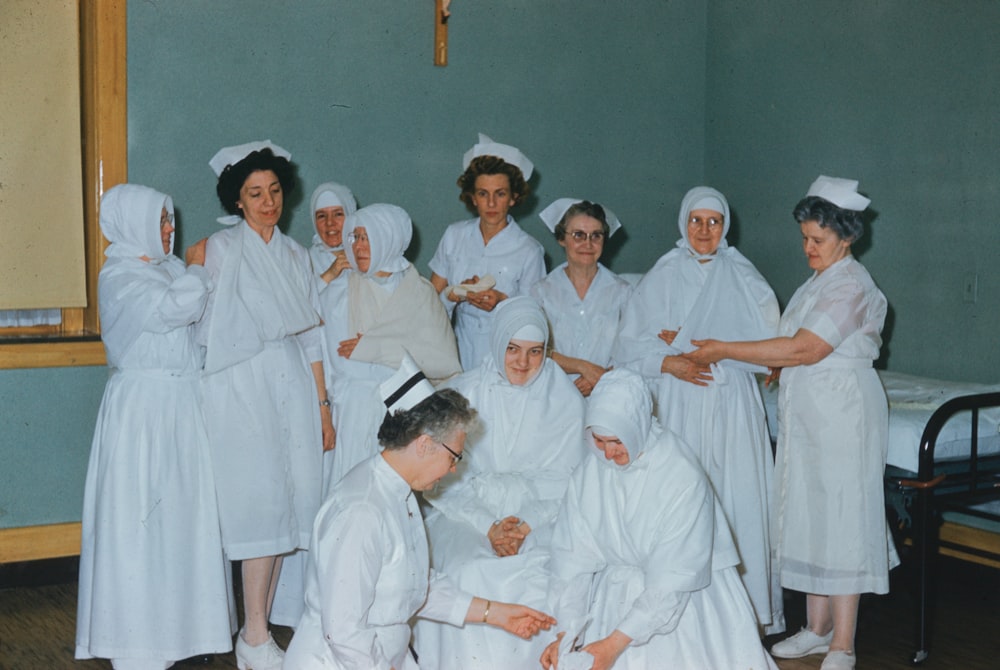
(942, 479)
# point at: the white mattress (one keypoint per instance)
(912, 400)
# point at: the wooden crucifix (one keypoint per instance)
(441, 14)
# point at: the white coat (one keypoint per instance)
(367, 575)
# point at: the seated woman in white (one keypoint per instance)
(384, 310)
(642, 548)
(582, 299)
(490, 527)
(368, 570)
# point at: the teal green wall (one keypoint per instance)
(606, 98)
(627, 103)
(47, 421)
(900, 94)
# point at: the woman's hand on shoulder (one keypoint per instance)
(195, 254)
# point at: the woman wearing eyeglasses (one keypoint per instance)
(383, 311)
(582, 299)
(705, 286)
(491, 524)
(368, 572)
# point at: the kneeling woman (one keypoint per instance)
(368, 572)
(642, 547)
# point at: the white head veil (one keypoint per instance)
(509, 317)
(130, 220)
(621, 403)
(702, 197)
(389, 231)
(332, 194)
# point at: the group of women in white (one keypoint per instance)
(586, 450)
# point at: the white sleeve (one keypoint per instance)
(638, 347)
(533, 272)
(348, 561)
(445, 601)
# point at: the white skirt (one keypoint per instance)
(267, 450)
(154, 583)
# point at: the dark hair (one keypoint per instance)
(234, 176)
(438, 415)
(587, 208)
(481, 165)
(846, 223)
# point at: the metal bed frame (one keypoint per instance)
(941, 487)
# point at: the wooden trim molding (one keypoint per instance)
(104, 115)
(55, 354)
(33, 543)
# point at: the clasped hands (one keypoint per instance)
(507, 535)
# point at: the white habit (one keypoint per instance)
(832, 535)
(366, 577)
(514, 258)
(153, 578)
(643, 548)
(519, 465)
(724, 298)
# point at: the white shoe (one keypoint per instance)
(803, 643)
(267, 656)
(838, 660)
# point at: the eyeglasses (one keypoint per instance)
(698, 222)
(581, 236)
(166, 219)
(455, 456)
(353, 237)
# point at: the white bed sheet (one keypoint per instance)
(912, 400)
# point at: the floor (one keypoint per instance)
(38, 611)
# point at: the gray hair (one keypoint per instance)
(438, 415)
